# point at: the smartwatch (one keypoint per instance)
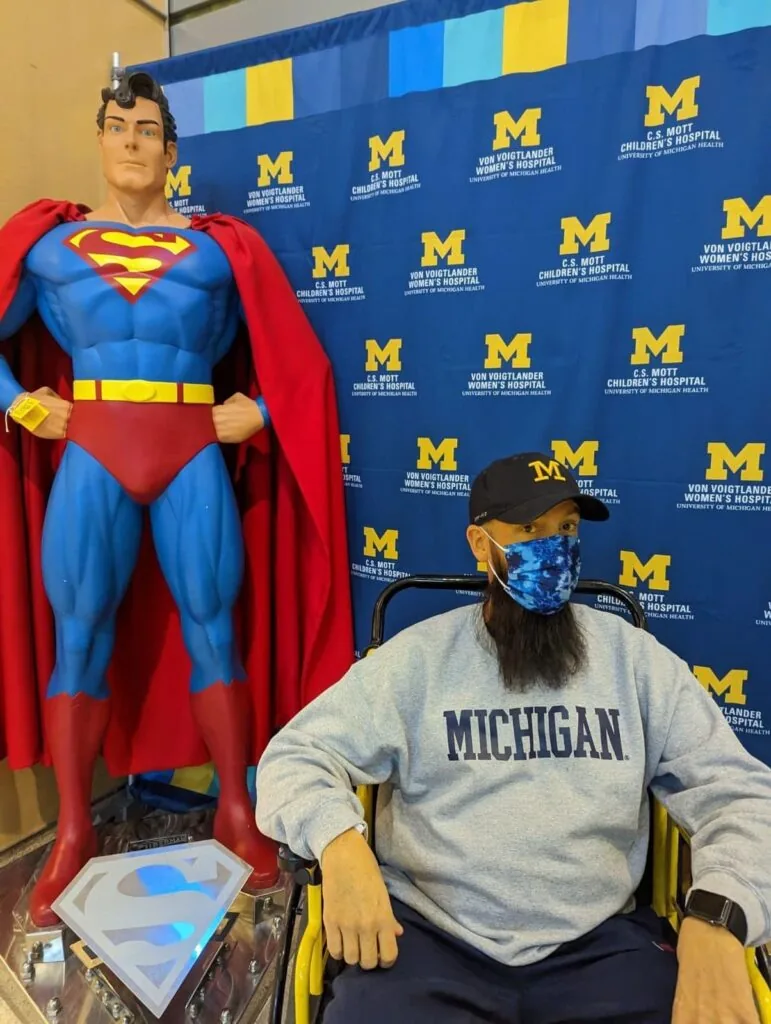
(718, 911)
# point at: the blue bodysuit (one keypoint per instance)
(144, 315)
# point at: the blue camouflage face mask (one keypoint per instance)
(542, 574)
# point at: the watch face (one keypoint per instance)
(710, 906)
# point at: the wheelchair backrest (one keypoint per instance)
(478, 583)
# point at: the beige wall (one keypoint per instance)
(245, 19)
(55, 57)
(28, 800)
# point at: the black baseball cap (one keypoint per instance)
(521, 488)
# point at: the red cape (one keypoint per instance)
(294, 616)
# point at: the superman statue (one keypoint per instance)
(118, 327)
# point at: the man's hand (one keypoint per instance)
(713, 986)
(237, 419)
(54, 426)
(359, 921)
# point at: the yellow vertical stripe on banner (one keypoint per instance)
(269, 92)
(535, 35)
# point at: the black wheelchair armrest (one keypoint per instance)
(304, 872)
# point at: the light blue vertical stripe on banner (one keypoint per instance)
(600, 27)
(224, 101)
(186, 101)
(416, 61)
(473, 48)
(735, 15)
(666, 21)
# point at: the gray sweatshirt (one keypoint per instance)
(518, 822)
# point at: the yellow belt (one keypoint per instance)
(142, 391)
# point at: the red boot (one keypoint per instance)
(75, 728)
(223, 714)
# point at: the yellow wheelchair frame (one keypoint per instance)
(669, 857)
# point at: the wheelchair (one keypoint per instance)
(664, 886)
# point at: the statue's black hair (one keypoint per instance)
(139, 84)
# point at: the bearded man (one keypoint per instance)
(515, 743)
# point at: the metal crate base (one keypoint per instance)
(231, 982)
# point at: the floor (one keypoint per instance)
(14, 1007)
(7, 1015)
(17, 1008)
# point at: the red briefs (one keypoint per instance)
(142, 445)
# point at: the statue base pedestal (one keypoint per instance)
(230, 982)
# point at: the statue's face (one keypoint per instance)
(134, 158)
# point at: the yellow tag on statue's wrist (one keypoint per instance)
(29, 413)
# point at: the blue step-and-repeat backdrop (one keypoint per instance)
(538, 225)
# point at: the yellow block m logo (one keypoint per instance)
(633, 570)
(681, 102)
(543, 471)
(391, 150)
(385, 544)
(667, 345)
(525, 128)
(594, 235)
(389, 356)
(335, 262)
(450, 250)
(178, 182)
(345, 449)
(278, 170)
(730, 687)
(746, 463)
(443, 454)
(583, 459)
(515, 352)
(739, 216)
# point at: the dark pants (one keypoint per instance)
(616, 974)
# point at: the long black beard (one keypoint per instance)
(532, 649)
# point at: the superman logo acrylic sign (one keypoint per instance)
(148, 915)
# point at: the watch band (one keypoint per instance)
(717, 910)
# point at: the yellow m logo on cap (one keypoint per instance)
(543, 471)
